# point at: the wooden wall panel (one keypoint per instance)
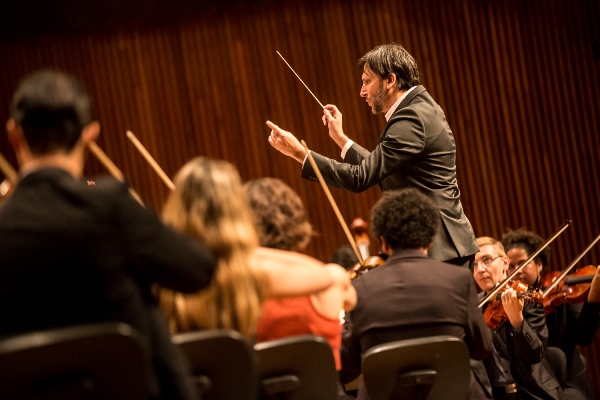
(518, 82)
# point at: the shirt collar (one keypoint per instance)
(388, 114)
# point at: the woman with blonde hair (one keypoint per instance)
(209, 203)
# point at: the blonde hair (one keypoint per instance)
(208, 203)
(497, 245)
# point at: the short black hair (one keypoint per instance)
(52, 108)
(405, 218)
(389, 59)
(529, 241)
(344, 256)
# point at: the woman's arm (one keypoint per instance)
(292, 274)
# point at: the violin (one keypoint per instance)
(511, 278)
(572, 289)
(361, 238)
(494, 313)
(359, 228)
(368, 264)
(557, 292)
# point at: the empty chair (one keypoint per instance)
(431, 368)
(92, 361)
(222, 363)
(297, 368)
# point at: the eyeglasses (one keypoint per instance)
(486, 261)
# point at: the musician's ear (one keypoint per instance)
(385, 247)
(90, 132)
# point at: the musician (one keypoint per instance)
(209, 204)
(411, 295)
(282, 223)
(569, 324)
(72, 253)
(415, 150)
(517, 368)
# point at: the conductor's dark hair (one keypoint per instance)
(52, 108)
(406, 219)
(529, 241)
(389, 59)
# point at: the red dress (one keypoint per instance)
(295, 316)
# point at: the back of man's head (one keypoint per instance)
(405, 219)
(52, 108)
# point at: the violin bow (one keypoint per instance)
(150, 160)
(569, 268)
(509, 278)
(336, 210)
(112, 168)
(7, 169)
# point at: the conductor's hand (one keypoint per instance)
(286, 143)
(332, 119)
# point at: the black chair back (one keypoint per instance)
(558, 361)
(431, 368)
(222, 364)
(95, 361)
(297, 368)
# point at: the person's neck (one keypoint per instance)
(389, 252)
(392, 99)
(67, 162)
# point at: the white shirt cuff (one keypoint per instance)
(347, 146)
(305, 157)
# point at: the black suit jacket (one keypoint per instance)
(416, 149)
(72, 253)
(412, 296)
(525, 351)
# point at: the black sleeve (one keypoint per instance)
(160, 254)
(588, 323)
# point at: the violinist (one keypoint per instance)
(75, 254)
(411, 295)
(282, 223)
(517, 368)
(569, 324)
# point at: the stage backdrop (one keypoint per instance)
(518, 80)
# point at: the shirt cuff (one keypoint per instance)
(305, 157)
(347, 146)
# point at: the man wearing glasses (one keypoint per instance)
(517, 368)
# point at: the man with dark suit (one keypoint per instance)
(411, 295)
(517, 368)
(416, 148)
(72, 253)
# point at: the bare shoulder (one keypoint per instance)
(284, 257)
(338, 274)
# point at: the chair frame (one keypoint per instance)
(97, 360)
(223, 364)
(297, 368)
(434, 367)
